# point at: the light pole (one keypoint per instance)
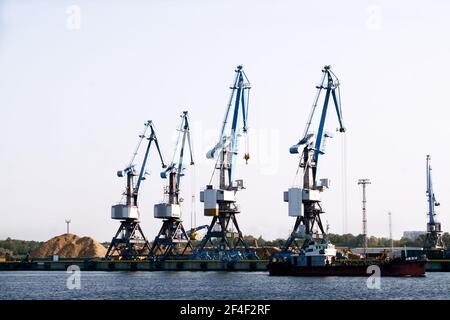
(390, 231)
(364, 182)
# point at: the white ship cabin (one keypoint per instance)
(322, 248)
(318, 253)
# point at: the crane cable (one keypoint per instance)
(165, 194)
(343, 167)
(214, 170)
(135, 153)
(177, 144)
(297, 172)
(343, 163)
(193, 199)
(247, 153)
(141, 137)
(193, 188)
(344, 183)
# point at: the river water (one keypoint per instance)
(53, 285)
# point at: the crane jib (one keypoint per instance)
(228, 143)
(177, 167)
(430, 194)
(332, 84)
(234, 130)
(151, 138)
(321, 126)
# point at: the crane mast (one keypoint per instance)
(305, 202)
(433, 240)
(220, 203)
(172, 238)
(129, 241)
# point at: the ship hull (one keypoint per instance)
(392, 269)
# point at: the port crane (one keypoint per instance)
(172, 237)
(220, 203)
(305, 203)
(129, 242)
(433, 240)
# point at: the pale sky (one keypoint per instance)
(74, 97)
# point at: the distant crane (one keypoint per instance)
(172, 237)
(363, 183)
(433, 240)
(308, 219)
(391, 239)
(220, 203)
(129, 242)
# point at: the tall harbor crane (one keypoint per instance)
(220, 203)
(129, 242)
(433, 240)
(304, 202)
(172, 237)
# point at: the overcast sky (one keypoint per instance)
(79, 78)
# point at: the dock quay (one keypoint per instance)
(121, 265)
(169, 265)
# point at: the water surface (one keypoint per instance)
(52, 285)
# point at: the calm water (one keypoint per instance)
(214, 285)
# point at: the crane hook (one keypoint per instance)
(246, 157)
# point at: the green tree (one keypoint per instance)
(19, 247)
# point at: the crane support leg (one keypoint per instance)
(309, 220)
(129, 242)
(172, 240)
(218, 229)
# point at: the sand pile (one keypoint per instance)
(265, 252)
(70, 246)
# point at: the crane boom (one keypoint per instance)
(229, 139)
(329, 83)
(150, 139)
(133, 188)
(176, 168)
(430, 194)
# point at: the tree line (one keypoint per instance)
(352, 241)
(11, 247)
